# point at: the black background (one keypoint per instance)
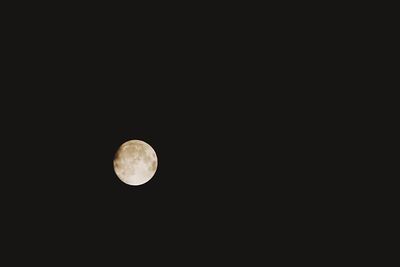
(228, 111)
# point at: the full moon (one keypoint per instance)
(135, 162)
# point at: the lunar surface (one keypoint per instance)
(135, 162)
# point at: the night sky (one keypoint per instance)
(227, 123)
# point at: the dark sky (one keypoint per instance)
(226, 121)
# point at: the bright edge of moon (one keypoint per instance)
(135, 162)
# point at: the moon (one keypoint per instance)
(135, 162)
